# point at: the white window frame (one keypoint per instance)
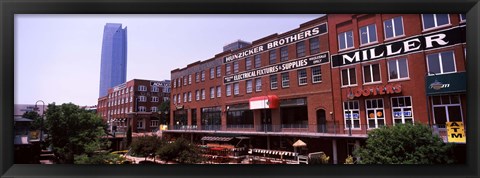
(219, 91)
(142, 109)
(249, 86)
(142, 88)
(154, 123)
(257, 61)
(343, 37)
(142, 98)
(153, 109)
(273, 84)
(300, 49)
(398, 69)
(371, 73)
(446, 107)
(197, 77)
(436, 23)
(393, 28)
(212, 73)
(369, 38)
(184, 97)
(202, 76)
(228, 90)
(236, 88)
(189, 79)
(402, 109)
(351, 111)
(140, 124)
(219, 71)
(212, 92)
(258, 84)
(376, 118)
(462, 20)
(349, 79)
(197, 95)
(282, 53)
(314, 49)
(285, 83)
(302, 77)
(155, 89)
(228, 69)
(184, 80)
(155, 99)
(189, 96)
(203, 94)
(440, 61)
(319, 75)
(235, 67)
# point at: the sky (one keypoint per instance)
(57, 57)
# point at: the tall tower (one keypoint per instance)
(113, 68)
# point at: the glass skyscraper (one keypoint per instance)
(113, 69)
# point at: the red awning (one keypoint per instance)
(264, 102)
(217, 148)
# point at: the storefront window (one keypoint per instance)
(179, 118)
(351, 113)
(240, 119)
(211, 118)
(294, 113)
(402, 110)
(446, 108)
(375, 113)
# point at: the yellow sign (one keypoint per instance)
(163, 127)
(456, 132)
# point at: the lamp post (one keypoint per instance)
(41, 123)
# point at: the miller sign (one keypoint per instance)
(415, 44)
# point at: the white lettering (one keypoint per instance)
(373, 55)
(409, 45)
(438, 38)
(351, 59)
(389, 51)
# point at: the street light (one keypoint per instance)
(41, 123)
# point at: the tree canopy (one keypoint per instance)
(404, 144)
(147, 145)
(36, 124)
(180, 150)
(74, 132)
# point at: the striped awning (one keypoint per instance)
(221, 139)
(272, 152)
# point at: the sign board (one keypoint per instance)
(456, 132)
(418, 43)
(451, 83)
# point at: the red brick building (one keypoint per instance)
(135, 103)
(322, 84)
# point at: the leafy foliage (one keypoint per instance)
(182, 151)
(37, 119)
(147, 145)
(100, 158)
(404, 144)
(319, 159)
(74, 131)
(349, 160)
(164, 107)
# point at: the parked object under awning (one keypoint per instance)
(264, 102)
(221, 139)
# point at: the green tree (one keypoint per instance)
(404, 144)
(182, 151)
(74, 131)
(146, 146)
(102, 157)
(37, 119)
(164, 107)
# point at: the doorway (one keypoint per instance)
(321, 121)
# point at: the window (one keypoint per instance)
(435, 20)
(314, 45)
(368, 34)
(463, 17)
(184, 97)
(212, 92)
(142, 98)
(258, 61)
(249, 86)
(302, 76)
(174, 99)
(179, 99)
(273, 56)
(300, 49)
(212, 72)
(142, 109)
(349, 77)
(393, 27)
(371, 73)
(228, 89)
(258, 84)
(179, 84)
(203, 75)
(154, 123)
(397, 69)
(131, 89)
(140, 124)
(273, 82)
(402, 110)
(235, 67)
(154, 99)
(184, 80)
(219, 70)
(197, 77)
(142, 88)
(219, 91)
(351, 113)
(284, 53)
(189, 79)
(345, 40)
(236, 89)
(248, 63)
(154, 89)
(197, 95)
(203, 94)
(285, 80)
(446, 108)
(441, 63)
(153, 109)
(316, 74)
(227, 69)
(189, 96)
(375, 113)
